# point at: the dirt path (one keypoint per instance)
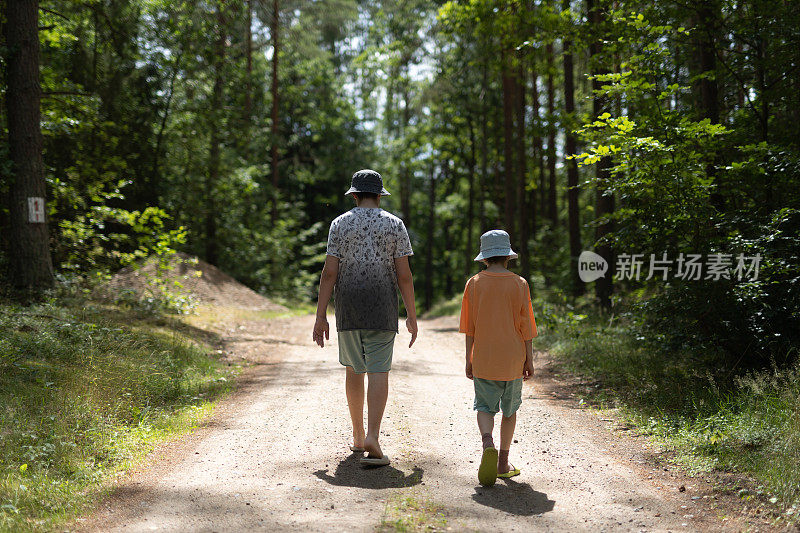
(274, 456)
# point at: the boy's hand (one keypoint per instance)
(321, 331)
(411, 324)
(527, 370)
(469, 369)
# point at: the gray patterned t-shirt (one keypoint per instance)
(366, 241)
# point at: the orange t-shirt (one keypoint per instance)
(497, 311)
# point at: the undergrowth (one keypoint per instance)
(712, 414)
(86, 390)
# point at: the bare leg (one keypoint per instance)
(486, 426)
(377, 393)
(487, 470)
(354, 388)
(507, 425)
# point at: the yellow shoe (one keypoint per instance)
(487, 471)
(513, 471)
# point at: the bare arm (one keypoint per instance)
(405, 282)
(527, 370)
(470, 344)
(330, 272)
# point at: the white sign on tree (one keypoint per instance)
(36, 209)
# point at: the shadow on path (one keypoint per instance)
(350, 473)
(514, 498)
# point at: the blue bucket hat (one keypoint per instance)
(495, 243)
(367, 180)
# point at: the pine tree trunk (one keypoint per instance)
(484, 176)
(469, 254)
(706, 22)
(155, 177)
(522, 173)
(248, 50)
(573, 192)
(275, 36)
(604, 202)
(449, 181)
(429, 241)
(538, 148)
(552, 208)
(508, 142)
(405, 183)
(215, 116)
(31, 267)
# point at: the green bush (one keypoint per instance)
(84, 391)
(710, 415)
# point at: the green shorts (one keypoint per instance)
(366, 350)
(491, 396)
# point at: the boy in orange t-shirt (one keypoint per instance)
(497, 317)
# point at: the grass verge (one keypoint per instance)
(85, 391)
(711, 416)
(444, 308)
(411, 512)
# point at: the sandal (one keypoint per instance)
(512, 471)
(487, 471)
(375, 461)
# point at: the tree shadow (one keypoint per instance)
(351, 473)
(514, 498)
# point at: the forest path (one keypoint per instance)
(274, 455)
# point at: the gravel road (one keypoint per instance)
(274, 455)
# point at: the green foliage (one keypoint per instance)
(104, 237)
(708, 418)
(86, 390)
(451, 307)
(687, 185)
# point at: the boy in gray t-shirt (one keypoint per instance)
(366, 262)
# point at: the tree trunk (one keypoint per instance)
(538, 148)
(796, 105)
(155, 179)
(508, 142)
(604, 202)
(274, 35)
(763, 98)
(484, 176)
(248, 50)
(469, 250)
(522, 173)
(31, 267)
(761, 87)
(706, 22)
(578, 287)
(405, 183)
(214, 145)
(552, 208)
(449, 181)
(388, 111)
(429, 251)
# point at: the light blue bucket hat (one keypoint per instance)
(495, 243)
